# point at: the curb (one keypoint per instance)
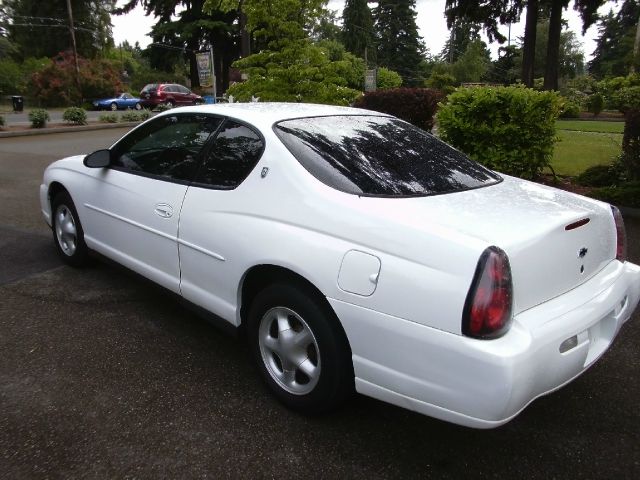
(80, 128)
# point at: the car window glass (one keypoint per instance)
(379, 156)
(167, 146)
(234, 153)
(182, 89)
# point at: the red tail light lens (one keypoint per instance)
(621, 235)
(489, 305)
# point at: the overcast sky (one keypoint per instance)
(432, 25)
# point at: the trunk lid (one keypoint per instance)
(555, 240)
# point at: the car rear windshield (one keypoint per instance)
(379, 156)
(149, 87)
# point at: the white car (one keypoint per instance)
(357, 251)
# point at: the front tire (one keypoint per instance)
(114, 107)
(300, 348)
(67, 231)
(138, 106)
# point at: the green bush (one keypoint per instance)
(627, 194)
(600, 176)
(570, 110)
(108, 118)
(509, 129)
(595, 103)
(388, 78)
(626, 98)
(163, 107)
(39, 118)
(135, 116)
(75, 115)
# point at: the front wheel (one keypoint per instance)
(67, 231)
(300, 348)
(114, 107)
(138, 106)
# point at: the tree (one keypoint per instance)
(460, 36)
(357, 29)
(489, 14)
(473, 64)
(505, 69)
(400, 48)
(200, 24)
(301, 71)
(613, 55)
(33, 20)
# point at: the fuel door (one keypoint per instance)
(359, 273)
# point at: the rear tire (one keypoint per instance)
(138, 106)
(300, 348)
(67, 231)
(114, 106)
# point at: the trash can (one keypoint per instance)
(209, 99)
(18, 103)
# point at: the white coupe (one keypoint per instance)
(357, 252)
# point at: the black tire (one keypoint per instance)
(328, 354)
(114, 107)
(170, 103)
(68, 235)
(138, 106)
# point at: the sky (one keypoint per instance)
(431, 22)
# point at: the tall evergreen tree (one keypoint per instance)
(35, 20)
(613, 55)
(400, 47)
(460, 36)
(357, 29)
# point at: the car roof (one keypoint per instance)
(268, 113)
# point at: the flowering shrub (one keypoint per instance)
(56, 84)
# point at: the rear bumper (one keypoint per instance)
(485, 383)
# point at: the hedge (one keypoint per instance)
(509, 129)
(414, 105)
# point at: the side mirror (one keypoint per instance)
(98, 159)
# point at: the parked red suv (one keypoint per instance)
(170, 94)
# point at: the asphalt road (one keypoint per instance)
(103, 376)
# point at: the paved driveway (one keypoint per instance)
(103, 376)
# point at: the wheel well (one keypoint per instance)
(54, 189)
(260, 276)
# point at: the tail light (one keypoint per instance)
(488, 309)
(621, 235)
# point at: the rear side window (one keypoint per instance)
(149, 87)
(379, 156)
(167, 147)
(234, 153)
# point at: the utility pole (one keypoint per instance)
(73, 46)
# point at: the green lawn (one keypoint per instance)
(590, 126)
(583, 144)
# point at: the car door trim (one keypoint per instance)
(202, 250)
(131, 222)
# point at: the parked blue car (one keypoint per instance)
(121, 102)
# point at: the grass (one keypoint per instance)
(590, 126)
(583, 144)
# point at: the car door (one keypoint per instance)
(133, 208)
(212, 217)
